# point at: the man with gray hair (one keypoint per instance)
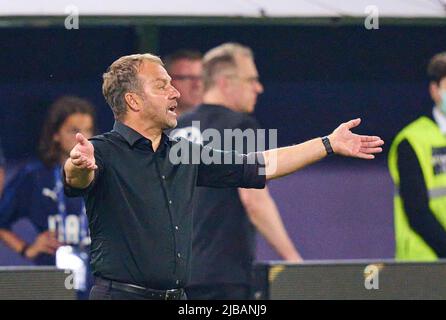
(139, 204)
(223, 247)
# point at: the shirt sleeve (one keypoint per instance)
(76, 192)
(231, 169)
(14, 203)
(415, 197)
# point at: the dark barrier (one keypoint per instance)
(365, 280)
(35, 283)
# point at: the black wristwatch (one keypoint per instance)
(327, 145)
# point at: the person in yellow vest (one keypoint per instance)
(417, 164)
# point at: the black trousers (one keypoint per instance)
(222, 291)
(104, 292)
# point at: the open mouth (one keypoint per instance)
(172, 109)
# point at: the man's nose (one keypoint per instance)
(259, 88)
(175, 93)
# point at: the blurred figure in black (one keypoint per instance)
(224, 219)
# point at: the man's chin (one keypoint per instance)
(171, 124)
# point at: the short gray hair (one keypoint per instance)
(221, 59)
(122, 77)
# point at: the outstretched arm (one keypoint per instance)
(283, 161)
(80, 166)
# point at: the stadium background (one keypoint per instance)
(316, 75)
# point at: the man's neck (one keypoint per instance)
(148, 131)
(215, 97)
(440, 118)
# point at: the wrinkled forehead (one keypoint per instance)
(151, 71)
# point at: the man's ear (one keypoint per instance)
(133, 101)
(222, 82)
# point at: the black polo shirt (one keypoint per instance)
(139, 206)
(223, 247)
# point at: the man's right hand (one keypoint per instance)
(82, 155)
(45, 242)
(79, 168)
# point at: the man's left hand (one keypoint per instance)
(347, 143)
